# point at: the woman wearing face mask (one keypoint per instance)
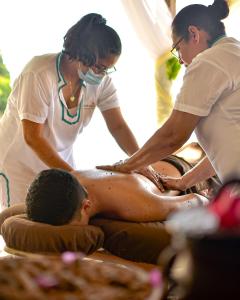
(53, 99)
(208, 101)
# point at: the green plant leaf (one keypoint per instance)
(5, 88)
(172, 68)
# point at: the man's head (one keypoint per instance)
(55, 197)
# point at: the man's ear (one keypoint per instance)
(194, 33)
(86, 206)
(83, 215)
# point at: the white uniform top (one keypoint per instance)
(211, 89)
(37, 96)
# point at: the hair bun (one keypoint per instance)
(219, 9)
(99, 20)
(94, 19)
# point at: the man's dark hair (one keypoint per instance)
(54, 197)
(90, 38)
(207, 18)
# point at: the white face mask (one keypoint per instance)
(90, 77)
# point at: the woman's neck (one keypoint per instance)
(69, 69)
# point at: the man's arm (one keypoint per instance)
(202, 171)
(120, 130)
(33, 135)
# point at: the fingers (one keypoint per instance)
(119, 166)
(171, 183)
(158, 182)
(152, 175)
(165, 177)
(110, 167)
(160, 186)
(106, 167)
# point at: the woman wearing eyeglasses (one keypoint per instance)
(208, 102)
(53, 99)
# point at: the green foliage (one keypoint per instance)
(5, 88)
(172, 68)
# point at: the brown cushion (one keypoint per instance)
(22, 234)
(16, 209)
(142, 242)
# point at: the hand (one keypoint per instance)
(152, 175)
(120, 166)
(173, 183)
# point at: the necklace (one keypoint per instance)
(74, 91)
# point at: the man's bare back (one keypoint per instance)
(131, 197)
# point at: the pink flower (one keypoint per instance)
(155, 278)
(69, 257)
(47, 281)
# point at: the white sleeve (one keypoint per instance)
(32, 99)
(203, 84)
(107, 98)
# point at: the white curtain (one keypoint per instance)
(151, 20)
(231, 22)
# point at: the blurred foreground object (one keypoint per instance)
(71, 277)
(207, 242)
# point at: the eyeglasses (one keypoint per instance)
(104, 70)
(175, 51)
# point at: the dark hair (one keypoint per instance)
(54, 197)
(204, 17)
(90, 38)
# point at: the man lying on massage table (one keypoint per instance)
(57, 197)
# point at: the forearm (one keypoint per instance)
(125, 139)
(47, 154)
(166, 140)
(163, 143)
(170, 137)
(202, 171)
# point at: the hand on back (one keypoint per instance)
(148, 172)
(173, 183)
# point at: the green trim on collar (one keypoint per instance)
(7, 187)
(61, 83)
(71, 115)
(78, 114)
(61, 80)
